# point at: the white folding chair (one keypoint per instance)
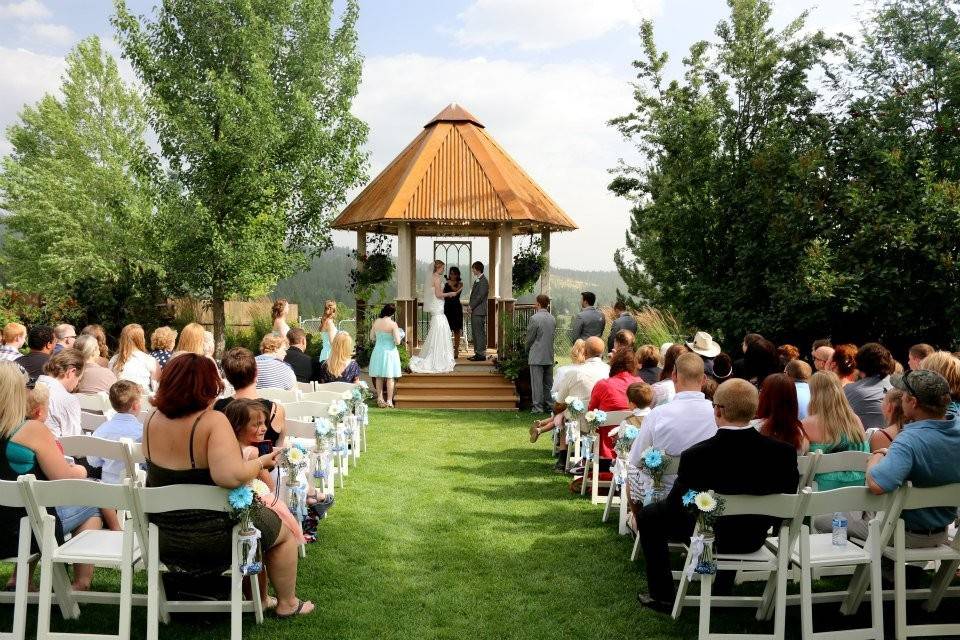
(95, 403)
(304, 432)
(813, 550)
(11, 496)
(764, 559)
(306, 387)
(307, 410)
(591, 467)
(118, 550)
(85, 446)
(279, 395)
(90, 421)
(196, 497)
(842, 461)
(336, 387)
(669, 470)
(322, 396)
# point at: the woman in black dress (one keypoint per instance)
(453, 309)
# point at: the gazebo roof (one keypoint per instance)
(453, 179)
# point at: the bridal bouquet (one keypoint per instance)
(708, 509)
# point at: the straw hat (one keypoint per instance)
(704, 345)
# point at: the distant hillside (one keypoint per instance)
(328, 277)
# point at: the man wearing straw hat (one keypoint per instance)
(704, 346)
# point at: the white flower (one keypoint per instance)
(334, 408)
(259, 487)
(363, 385)
(347, 395)
(589, 416)
(569, 400)
(705, 502)
(294, 455)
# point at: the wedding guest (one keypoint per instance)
(787, 353)
(125, 400)
(716, 463)
(278, 314)
(541, 331)
(577, 357)
(478, 312)
(778, 411)
(681, 423)
(191, 340)
(664, 389)
(623, 321)
(27, 446)
(340, 366)
(948, 366)
(240, 368)
(704, 346)
(61, 375)
(610, 394)
(832, 427)
(893, 416)
(328, 328)
(760, 359)
(917, 353)
(65, 335)
(590, 321)
(40, 340)
(14, 335)
(924, 453)
(822, 356)
(639, 399)
(272, 371)
(384, 365)
(709, 387)
(623, 340)
(296, 355)
(648, 357)
(185, 442)
(131, 362)
(865, 395)
(161, 344)
(95, 378)
(844, 363)
(97, 332)
(722, 367)
(800, 372)
(453, 308)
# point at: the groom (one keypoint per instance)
(478, 312)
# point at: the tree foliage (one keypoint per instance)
(769, 202)
(79, 188)
(251, 101)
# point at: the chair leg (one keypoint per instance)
(609, 505)
(941, 581)
(257, 599)
(153, 587)
(587, 465)
(900, 583)
(622, 527)
(856, 590)
(126, 593)
(706, 587)
(681, 588)
(636, 547)
(806, 587)
(23, 581)
(783, 567)
(876, 585)
(236, 593)
(46, 581)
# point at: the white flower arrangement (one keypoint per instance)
(259, 487)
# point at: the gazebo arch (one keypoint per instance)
(454, 180)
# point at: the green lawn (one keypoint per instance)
(454, 526)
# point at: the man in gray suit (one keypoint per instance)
(589, 322)
(624, 321)
(541, 330)
(478, 312)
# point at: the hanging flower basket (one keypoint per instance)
(528, 264)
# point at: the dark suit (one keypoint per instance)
(478, 314)
(733, 462)
(624, 322)
(300, 363)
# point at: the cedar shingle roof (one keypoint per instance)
(454, 177)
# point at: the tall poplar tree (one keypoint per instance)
(251, 102)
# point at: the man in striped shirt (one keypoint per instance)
(14, 335)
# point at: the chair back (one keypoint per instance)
(322, 396)
(87, 493)
(846, 499)
(775, 505)
(84, 446)
(94, 402)
(915, 497)
(807, 468)
(90, 421)
(614, 418)
(306, 387)
(308, 409)
(301, 428)
(843, 461)
(336, 387)
(279, 395)
(11, 494)
(175, 497)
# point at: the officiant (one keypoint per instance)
(478, 312)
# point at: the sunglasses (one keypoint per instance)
(906, 383)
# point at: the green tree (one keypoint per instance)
(735, 178)
(79, 187)
(251, 104)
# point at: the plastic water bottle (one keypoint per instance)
(839, 529)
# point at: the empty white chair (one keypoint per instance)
(336, 387)
(279, 395)
(118, 550)
(306, 409)
(322, 396)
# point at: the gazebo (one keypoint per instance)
(455, 180)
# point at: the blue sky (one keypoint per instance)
(544, 76)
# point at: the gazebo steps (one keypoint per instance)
(405, 401)
(466, 389)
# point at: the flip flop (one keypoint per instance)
(295, 612)
(271, 603)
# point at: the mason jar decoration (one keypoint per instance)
(248, 550)
(707, 565)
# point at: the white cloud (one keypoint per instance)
(551, 118)
(24, 10)
(547, 24)
(48, 32)
(24, 78)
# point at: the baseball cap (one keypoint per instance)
(928, 387)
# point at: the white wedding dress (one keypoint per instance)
(436, 352)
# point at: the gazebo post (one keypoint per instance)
(413, 337)
(545, 252)
(406, 299)
(361, 305)
(492, 267)
(505, 282)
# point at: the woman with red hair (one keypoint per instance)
(778, 412)
(844, 363)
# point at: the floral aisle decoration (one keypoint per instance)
(323, 435)
(241, 501)
(626, 434)
(293, 461)
(653, 463)
(596, 418)
(708, 509)
(361, 395)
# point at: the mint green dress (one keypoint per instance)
(385, 359)
(838, 479)
(325, 348)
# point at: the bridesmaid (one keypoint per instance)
(279, 313)
(328, 329)
(453, 308)
(385, 359)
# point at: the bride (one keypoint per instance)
(436, 354)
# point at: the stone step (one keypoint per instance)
(403, 401)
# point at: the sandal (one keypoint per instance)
(295, 612)
(271, 603)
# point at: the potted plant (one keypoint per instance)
(512, 362)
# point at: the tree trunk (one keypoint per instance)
(219, 323)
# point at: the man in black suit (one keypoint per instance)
(296, 357)
(735, 461)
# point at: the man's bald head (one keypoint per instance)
(822, 356)
(594, 347)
